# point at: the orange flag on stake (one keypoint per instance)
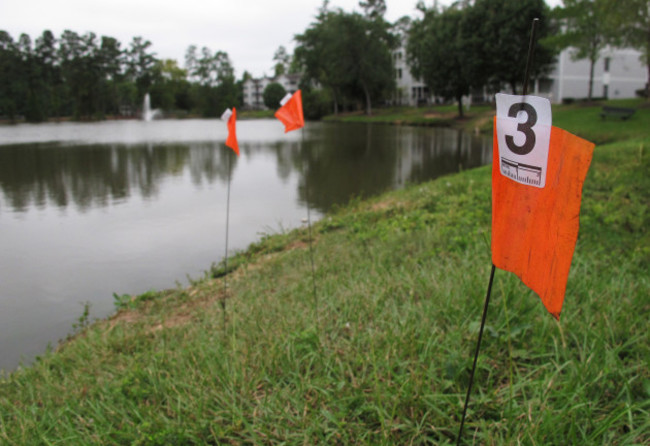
(537, 175)
(290, 112)
(230, 116)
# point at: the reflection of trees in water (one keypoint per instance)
(426, 155)
(208, 162)
(344, 162)
(91, 176)
(360, 160)
(287, 158)
(336, 161)
(285, 155)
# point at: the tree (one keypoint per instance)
(170, 70)
(497, 33)
(216, 88)
(10, 67)
(110, 60)
(191, 61)
(631, 19)
(438, 53)
(171, 89)
(369, 58)
(31, 84)
(81, 73)
(246, 76)
(210, 69)
(373, 9)
(282, 61)
(139, 64)
(46, 55)
(86, 77)
(273, 94)
(349, 54)
(585, 29)
(110, 57)
(314, 55)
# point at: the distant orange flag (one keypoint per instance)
(290, 112)
(535, 228)
(230, 116)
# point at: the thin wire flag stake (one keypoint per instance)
(229, 116)
(225, 277)
(311, 247)
(531, 51)
(291, 115)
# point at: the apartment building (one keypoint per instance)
(618, 74)
(253, 89)
(409, 90)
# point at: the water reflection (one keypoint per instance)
(93, 176)
(337, 161)
(369, 159)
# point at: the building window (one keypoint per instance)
(607, 64)
(399, 73)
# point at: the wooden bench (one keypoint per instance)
(617, 112)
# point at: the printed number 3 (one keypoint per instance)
(524, 127)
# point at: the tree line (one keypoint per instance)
(345, 59)
(90, 77)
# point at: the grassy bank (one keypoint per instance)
(382, 354)
(582, 117)
(478, 117)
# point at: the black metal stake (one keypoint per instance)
(478, 347)
(531, 52)
(311, 248)
(225, 276)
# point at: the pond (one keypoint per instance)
(92, 209)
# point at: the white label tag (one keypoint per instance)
(285, 99)
(226, 115)
(523, 136)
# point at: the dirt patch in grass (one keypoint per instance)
(298, 244)
(383, 205)
(433, 115)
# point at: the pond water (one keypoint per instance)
(92, 209)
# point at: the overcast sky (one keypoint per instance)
(250, 31)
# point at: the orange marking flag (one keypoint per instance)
(230, 116)
(535, 228)
(290, 112)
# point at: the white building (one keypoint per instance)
(408, 89)
(618, 74)
(253, 89)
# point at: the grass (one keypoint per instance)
(586, 120)
(439, 115)
(386, 355)
(582, 118)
